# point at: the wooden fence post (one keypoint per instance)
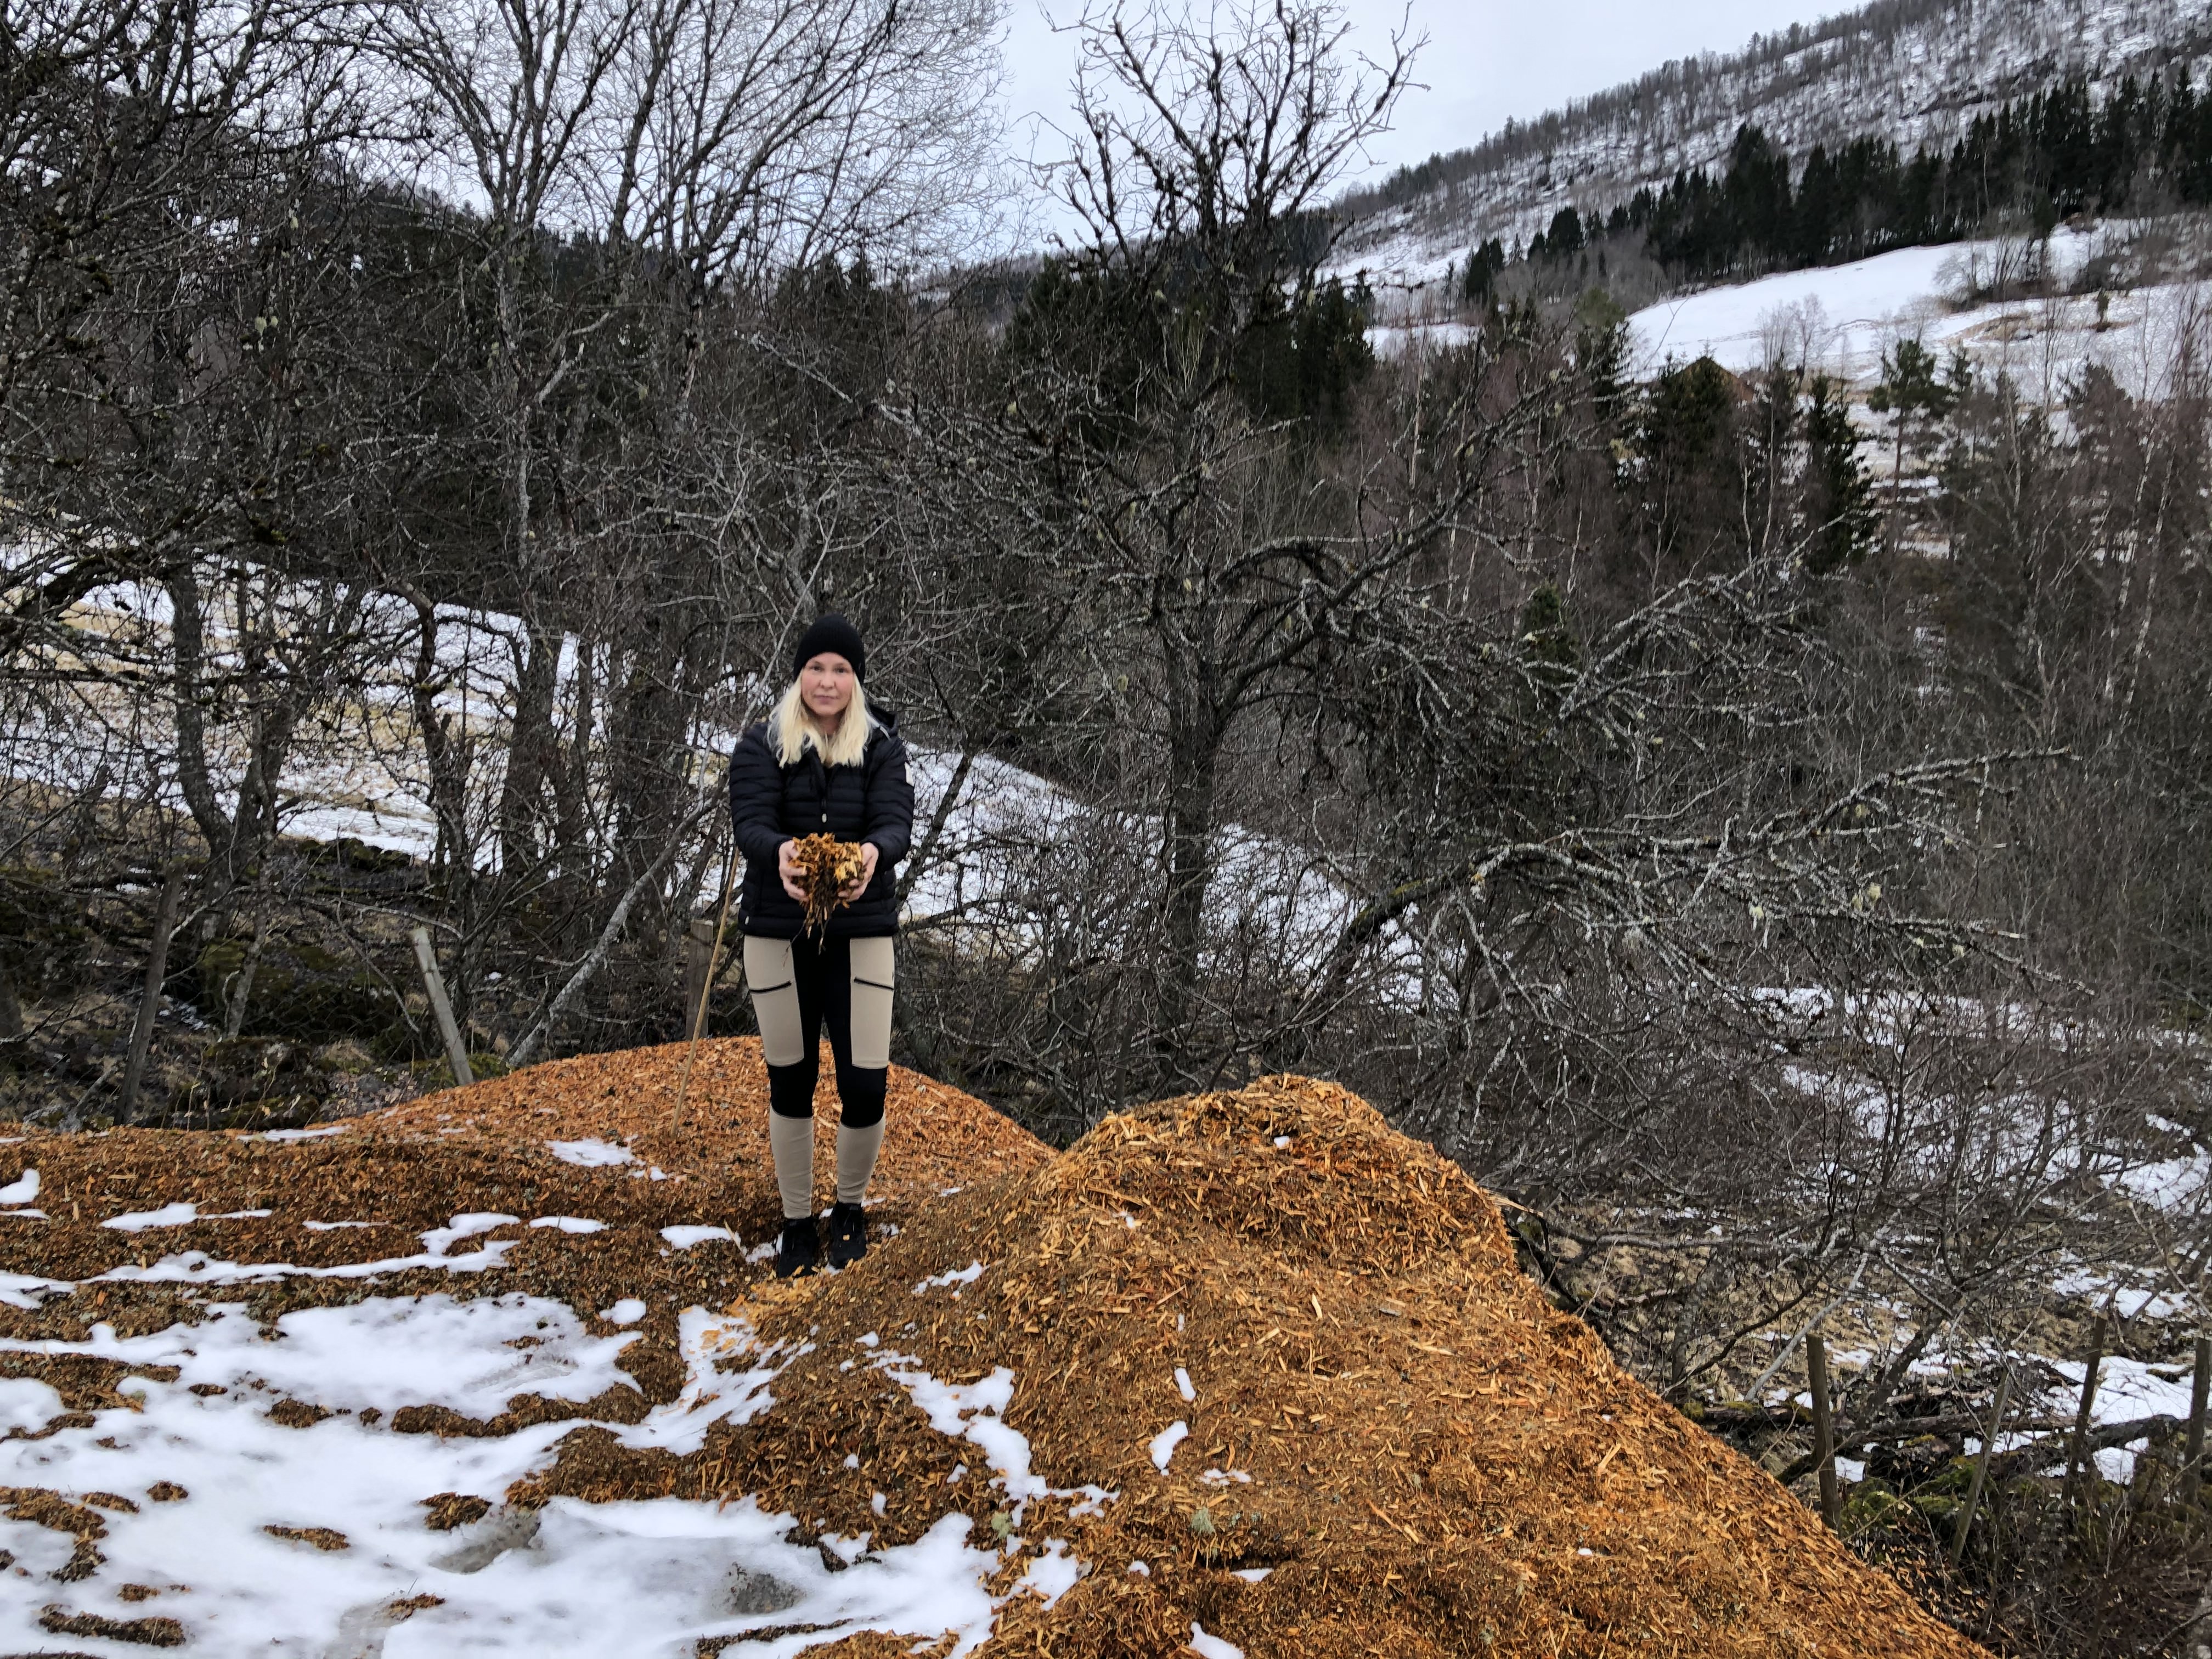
(1824, 1426)
(1981, 1470)
(457, 1052)
(2077, 1453)
(149, 1004)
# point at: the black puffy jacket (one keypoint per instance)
(771, 803)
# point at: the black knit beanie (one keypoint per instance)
(832, 632)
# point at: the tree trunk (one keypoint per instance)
(448, 761)
(571, 788)
(531, 753)
(188, 640)
(149, 1002)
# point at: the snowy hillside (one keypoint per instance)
(1908, 70)
(1842, 318)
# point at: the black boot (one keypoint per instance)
(848, 1235)
(798, 1251)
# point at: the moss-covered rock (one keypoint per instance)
(348, 854)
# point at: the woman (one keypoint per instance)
(823, 763)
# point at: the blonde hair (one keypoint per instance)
(794, 733)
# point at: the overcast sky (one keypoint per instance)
(1485, 60)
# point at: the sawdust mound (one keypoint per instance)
(1394, 1444)
(482, 1151)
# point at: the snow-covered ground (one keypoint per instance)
(1842, 318)
(309, 1541)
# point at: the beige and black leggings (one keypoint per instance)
(798, 986)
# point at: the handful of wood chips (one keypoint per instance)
(826, 866)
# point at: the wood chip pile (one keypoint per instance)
(826, 865)
(487, 1150)
(1394, 1445)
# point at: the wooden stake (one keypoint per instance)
(457, 1052)
(1824, 1427)
(2200, 1382)
(1981, 1469)
(149, 1004)
(2077, 1451)
(707, 983)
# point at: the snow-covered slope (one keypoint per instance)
(1909, 70)
(1842, 318)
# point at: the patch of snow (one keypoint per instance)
(439, 1240)
(711, 1395)
(29, 1289)
(966, 1275)
(1251, 1575)
(169, 1215)
(1211, 1647)
(27, 1405)
(617, 1580)
(198, 1267)
(1053, 1574)
(972, 1411)
(1163, 1445)
(2129, 1301)
(591, 1154)
(570, 1224)
(684, 1238)
(22, 1189)
(1394, 340)
(315, 1133)
(383, 1352)
(1182, 1384)
(628, 1311)
(177, 1215)
(2173, 1184)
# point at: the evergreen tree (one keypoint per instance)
(1484, 266)
(1565, 240)
(1910, 389)
(1690, 467)
(1840, 498)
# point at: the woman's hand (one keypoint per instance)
(858, 885)
(787, 869)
